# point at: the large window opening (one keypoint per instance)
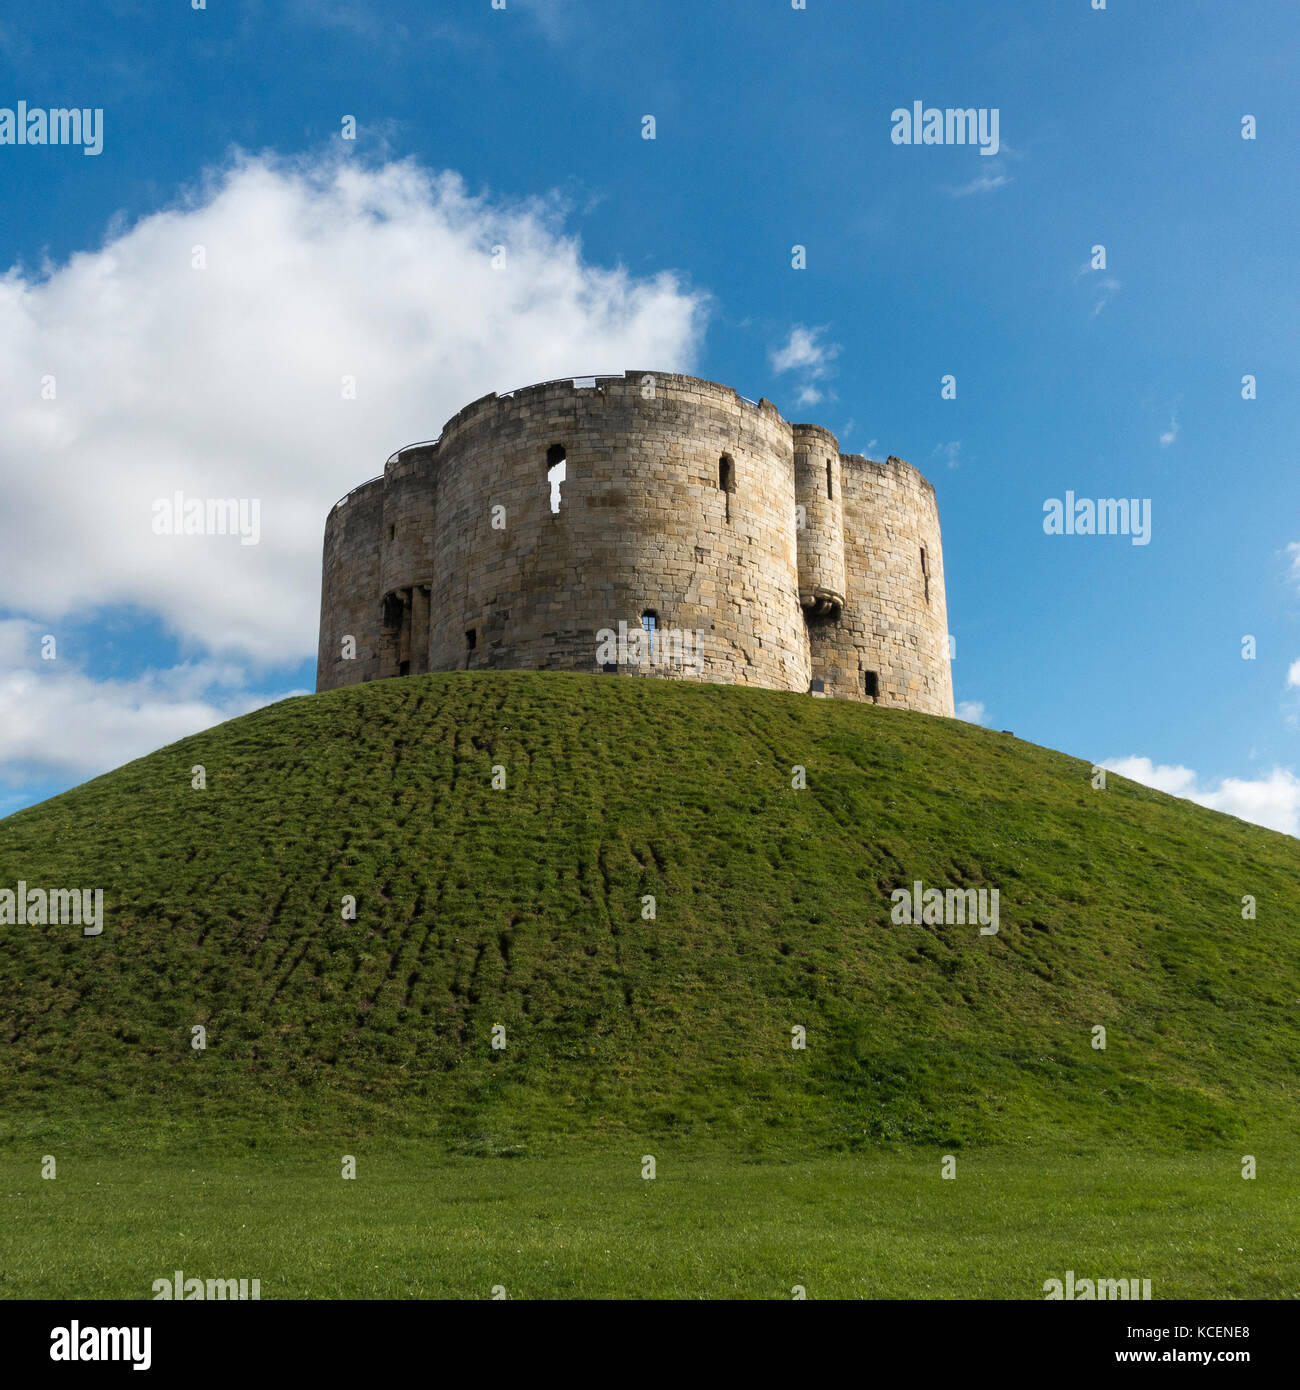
(872, 682)
(557, 469)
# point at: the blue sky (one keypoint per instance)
(222, 128)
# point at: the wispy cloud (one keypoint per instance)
(1293, 550)
(1170, 436)
(1102, 286)
(989, 181)
(1106, 290)
(351, 16)
(805, 355)
(555, 18)
(368, 23)
(950, 452)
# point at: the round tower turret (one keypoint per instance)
(820, 516)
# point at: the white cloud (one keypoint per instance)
(226, 382)
(1272, 800)
(1170, 436)
(1177, 781)
(1107, 289)
(57, 724)
(55, 721)
(556, 18)
(1293, 676)
(950, 452)
(1104, 288)
(972, 711)
(351, 16)
(1293, 550)
(20, 641)
(987, 182)
(807, 356)
(802, 351)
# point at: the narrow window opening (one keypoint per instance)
(392, 531)
(925, 572)
(650, 622)
(872, 682)
(557, 470)
(727, 481)
(471, 639)
(830, 486)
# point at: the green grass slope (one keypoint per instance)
(523, 906)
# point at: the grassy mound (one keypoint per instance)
(523, 906)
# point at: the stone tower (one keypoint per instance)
(733, 546)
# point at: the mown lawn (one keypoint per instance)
(882, 1225)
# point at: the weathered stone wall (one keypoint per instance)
(892, 624)
(350, 588)
(679, 499)
(643, 525)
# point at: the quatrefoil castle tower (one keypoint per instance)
(544, 518)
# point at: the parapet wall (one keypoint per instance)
(680, 509)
